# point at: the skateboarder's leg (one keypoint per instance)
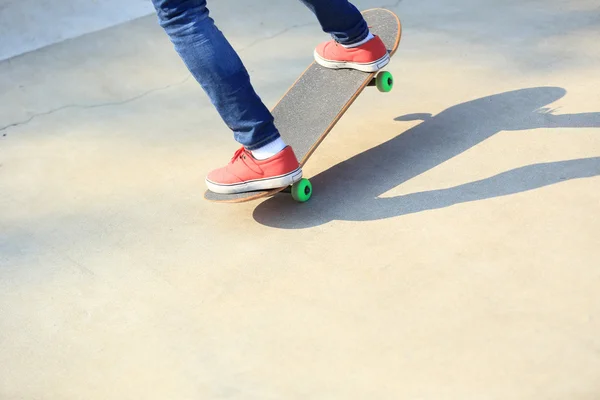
(353, 46)
(340, 19)
(217, 67)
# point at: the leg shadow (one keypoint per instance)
(437, 139)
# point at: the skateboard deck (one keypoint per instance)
(317, 100)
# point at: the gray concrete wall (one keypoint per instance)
(27, 25)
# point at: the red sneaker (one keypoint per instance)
(244, 173)
(368, 57)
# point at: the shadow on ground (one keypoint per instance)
(437, 139)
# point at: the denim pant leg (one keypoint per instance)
(342, 20)
(217, 67)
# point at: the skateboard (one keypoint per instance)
(316, 101)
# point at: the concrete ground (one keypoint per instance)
(450, 251)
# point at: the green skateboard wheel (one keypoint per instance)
(302, 190)
(385, 81)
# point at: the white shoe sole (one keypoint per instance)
(258, 184)
(364, 67)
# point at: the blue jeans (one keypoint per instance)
(218, 69)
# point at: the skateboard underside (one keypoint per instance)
(317, 100)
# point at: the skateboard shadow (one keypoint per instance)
(437, 139)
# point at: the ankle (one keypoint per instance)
(269, 150)
(359, 43)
